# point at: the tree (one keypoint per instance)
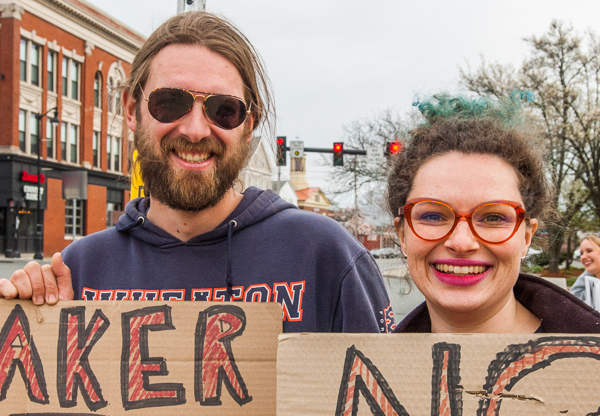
(361, 134)
(353, 220)
(563, 72)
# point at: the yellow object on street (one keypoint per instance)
(137, 185)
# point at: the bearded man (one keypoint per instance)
(197, 92)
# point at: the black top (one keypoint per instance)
(559, 311)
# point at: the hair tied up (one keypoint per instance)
(519, 95)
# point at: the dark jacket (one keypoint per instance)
(267, 250)
(559, 311)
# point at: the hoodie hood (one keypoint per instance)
(259, 205)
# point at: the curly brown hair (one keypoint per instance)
(520, 148)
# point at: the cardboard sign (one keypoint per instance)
(138, 358)
(438, 374)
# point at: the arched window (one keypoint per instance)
(111, 86)
(98, 90)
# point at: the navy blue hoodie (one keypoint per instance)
(267, 250)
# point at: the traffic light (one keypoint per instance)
(391, 148)
(338, 154)
(281, 152)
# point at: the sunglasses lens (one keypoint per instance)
(167, 105)
(226, 112)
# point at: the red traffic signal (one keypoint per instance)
(281, 150)
(338, 154)
(392, 148)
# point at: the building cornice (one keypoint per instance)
(93, 21)
(11, 10)
(88, 18)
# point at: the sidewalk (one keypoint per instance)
(9, 265)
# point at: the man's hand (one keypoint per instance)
(48, 283)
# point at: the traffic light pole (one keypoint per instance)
(320, 150)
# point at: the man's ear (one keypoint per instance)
(399, 226)
(130, 109)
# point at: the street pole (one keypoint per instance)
(39, 254)
(190, 5)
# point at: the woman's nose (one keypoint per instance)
(462, 238)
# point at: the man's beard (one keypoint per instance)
(187, 190)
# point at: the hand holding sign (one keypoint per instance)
(41, 283)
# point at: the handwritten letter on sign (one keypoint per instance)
(438, 375)
(131, 358)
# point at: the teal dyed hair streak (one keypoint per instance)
(506, 111)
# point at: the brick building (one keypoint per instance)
(65, 54)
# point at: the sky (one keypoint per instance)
(334, 61)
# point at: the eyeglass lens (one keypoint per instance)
(169, 104)
(492, 222)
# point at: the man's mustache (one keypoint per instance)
(181, 144)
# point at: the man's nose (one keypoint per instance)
(462, 238)
(195, 125)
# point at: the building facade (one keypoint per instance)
(69, 55)
(260, 168)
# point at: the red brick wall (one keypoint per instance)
(95, 216)
(54, 219)
(9, 87)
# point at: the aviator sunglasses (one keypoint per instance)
(167, 105)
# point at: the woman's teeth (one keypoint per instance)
(193, 157)
(463, 270)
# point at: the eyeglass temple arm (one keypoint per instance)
(142, 90)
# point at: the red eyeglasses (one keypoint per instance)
(170, 104)
(493, 222)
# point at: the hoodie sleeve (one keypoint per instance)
(363, 304)
(578, 288)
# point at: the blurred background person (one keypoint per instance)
(590, 258)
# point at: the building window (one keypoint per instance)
(23, 60)
(30, 53)
(317, 198)
(34, 135)
(78, 214)
(65, 74)
(75, 68)
(96, 148)
(51, 71)
(110, 86)
(118, 109)
(73, 141)
(50, 139)
(114, 206)
(98, 90)
(22, 133)
(36, 51)
(63, 141)
(108, 151)
(116, 153)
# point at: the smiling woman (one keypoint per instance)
(466, 192)
(590, 258)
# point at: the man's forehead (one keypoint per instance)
(194, 67)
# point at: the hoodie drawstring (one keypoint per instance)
(232, 224)
(138, 221)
